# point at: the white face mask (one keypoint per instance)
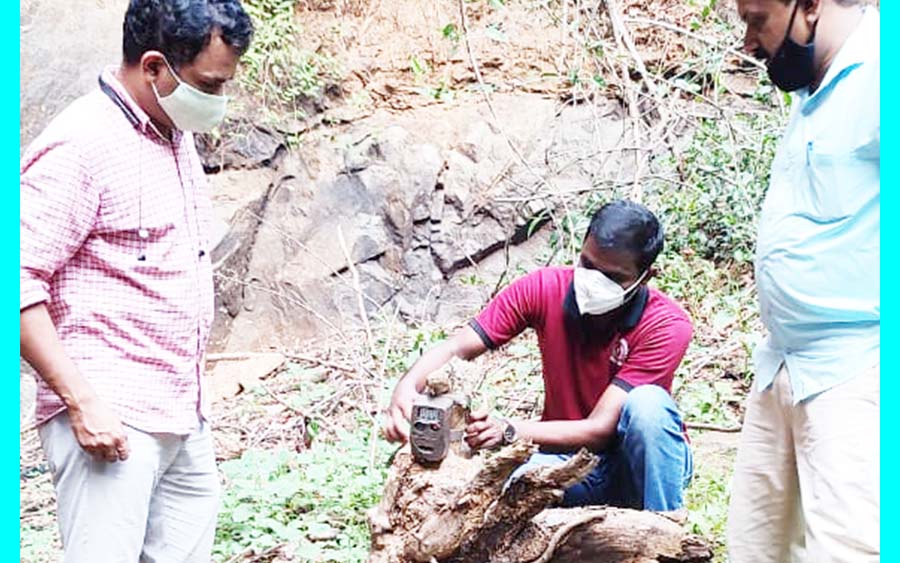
(597, 294)
(189, 108)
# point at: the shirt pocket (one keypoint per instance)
(842, 180)
(147, 247)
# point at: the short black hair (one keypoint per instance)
(180, 29)
(629, 226)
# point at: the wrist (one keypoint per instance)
(523, 429)
(78, 399)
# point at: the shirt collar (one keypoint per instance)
(859, 48)
(132, 110)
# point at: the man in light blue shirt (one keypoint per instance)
(806, 483)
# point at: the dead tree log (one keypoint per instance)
(459, 512)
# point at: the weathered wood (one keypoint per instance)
(459, 512)
(617, 534)
(522, 501)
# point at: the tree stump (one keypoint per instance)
(459, 512)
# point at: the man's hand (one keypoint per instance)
(464, 344)
(396, 424)
(484, 431)
(96, 427)
(99, 431)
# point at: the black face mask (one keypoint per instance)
(594, 329)
(792, 66)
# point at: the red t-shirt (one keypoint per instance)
(576, 373)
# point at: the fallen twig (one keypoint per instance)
(294, 409)
(319, 361)
(713, 427)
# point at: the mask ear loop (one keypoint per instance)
(790, 26)
(172, 70)
(635, 287)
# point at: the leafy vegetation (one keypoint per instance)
(310, 505)
(712, 209)
(707, 503)
(276, 70)
(39, 543)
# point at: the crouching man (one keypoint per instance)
(609, 345)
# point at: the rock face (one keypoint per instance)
(427, 212)
(240, 144)
(60, 60)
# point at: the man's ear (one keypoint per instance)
(652, 272)
(152, 65)
(812, 10)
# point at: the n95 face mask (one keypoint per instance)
(597, 294)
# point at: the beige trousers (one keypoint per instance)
(806, 482)
(158, 506)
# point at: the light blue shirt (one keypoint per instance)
(818, 250)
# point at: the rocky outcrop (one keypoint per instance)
(420, 209)
(240, 144)
(64, 46)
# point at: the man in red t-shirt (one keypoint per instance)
(609, 347)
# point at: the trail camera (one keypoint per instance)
(438, 419)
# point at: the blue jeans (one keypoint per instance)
(647, 467)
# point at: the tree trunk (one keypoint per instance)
(459, 513)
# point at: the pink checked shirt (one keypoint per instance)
(114, 239)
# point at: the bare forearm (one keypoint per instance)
(595, 432)
(465, 344)
(432, 360)
(97, 428)
(564, 434)
(40, 346)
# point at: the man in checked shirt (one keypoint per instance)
(116, 289)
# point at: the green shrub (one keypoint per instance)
(276, 69)
(724, 174)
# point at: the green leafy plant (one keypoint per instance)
(707, 503)
(451, 32)
(313, 503)
(276, 69)
(418, 67)
(706, 401)
(724, 173)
